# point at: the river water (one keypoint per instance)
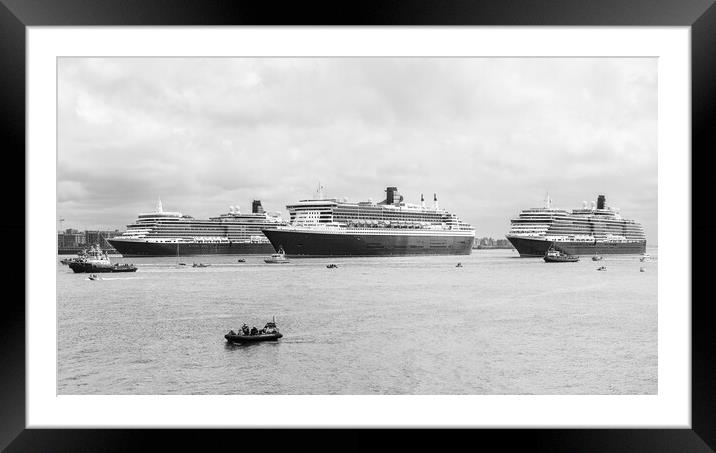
(410, 325)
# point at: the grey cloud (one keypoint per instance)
(490, 135)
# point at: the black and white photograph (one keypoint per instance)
(357, 225)
(461, 219)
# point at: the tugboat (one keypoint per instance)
(241, 260)
(458, 265)
(278, 258)
(268, 333)
(597, 258)
(602, 268)
(94, 277)
(97, 261)
(555, 256)
(200, 265)
(332, 266)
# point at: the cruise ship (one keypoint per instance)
(595, 229)
(336, 227)
(163, 233)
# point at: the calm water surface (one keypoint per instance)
(413, 325)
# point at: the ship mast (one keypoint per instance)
(319, 191)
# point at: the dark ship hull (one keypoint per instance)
(298, 243)
(80, 268)
(538, 247)
(140, 248)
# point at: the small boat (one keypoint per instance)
(555, 256)
(200, 265)
(241, 260)
(641, 269)
(94, 277)
(278, 258)
(181, 264)
(597, 258)
(239, 338)
(602, 268)
(459, 265)
(268, 333)
(332, 266)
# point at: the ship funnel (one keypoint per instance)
(256, 207)
(601, 201)
(390, 193)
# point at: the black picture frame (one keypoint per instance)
(16, 15)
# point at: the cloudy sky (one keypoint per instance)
(490, 135)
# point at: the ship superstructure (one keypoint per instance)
(336, 227)
(165, 233)
(590, 230)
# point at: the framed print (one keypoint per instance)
(472, 218)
